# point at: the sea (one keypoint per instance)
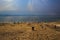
(29, 18)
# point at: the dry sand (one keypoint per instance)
(23, 31)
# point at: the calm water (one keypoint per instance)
(40, 18)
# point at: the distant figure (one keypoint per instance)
(32, 28)
(55, 26)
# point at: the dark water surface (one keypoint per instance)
(40, 18)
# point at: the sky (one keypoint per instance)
(33, 7)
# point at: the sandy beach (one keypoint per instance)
(30, 31)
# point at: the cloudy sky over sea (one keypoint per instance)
(50, 7)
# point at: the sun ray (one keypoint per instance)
(30, 5)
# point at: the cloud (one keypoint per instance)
(8, 0)
(7, 5)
